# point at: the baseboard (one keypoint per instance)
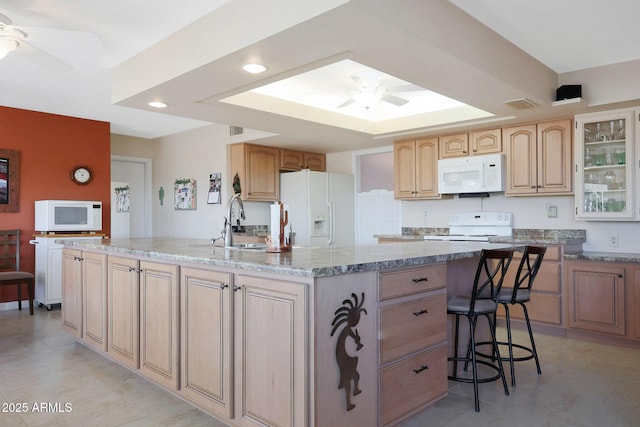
(13, 305)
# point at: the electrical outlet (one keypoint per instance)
(552, 211)
(613, 240)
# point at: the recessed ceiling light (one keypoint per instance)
(157, 104)
(254, 68)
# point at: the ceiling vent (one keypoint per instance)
(235, 130)
(521, 103)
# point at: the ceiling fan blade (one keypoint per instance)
(42, 58)
(4, 20)
(367, 79)
(347, 103)
(395, 100)
(404, 88)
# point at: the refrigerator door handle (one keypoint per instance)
(332, 224)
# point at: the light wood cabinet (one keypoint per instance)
(159, 323)
(456, 145)
(596, 297)
(271, 352)
(72, 291)
(476, 143)
(206, 335)
(412, 340)
(94, 299)
(294, 160)
(416, 169)
(487, 141)
(123, 312)
(539, 158)
(258, 168)
(546, 303)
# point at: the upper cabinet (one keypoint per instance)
(539, 158)
(293, 160)
(475, 143)
(258, 168)
(416, 169)
(606, 169)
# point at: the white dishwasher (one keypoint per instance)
(49, 267)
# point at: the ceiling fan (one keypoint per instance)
(13, 39)
(370, 91)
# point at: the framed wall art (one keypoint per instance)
(9, 181)
(185, 194)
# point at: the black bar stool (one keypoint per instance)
(482, 301)
(521, 294)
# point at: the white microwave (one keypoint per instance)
(68, 215)
(473, 174)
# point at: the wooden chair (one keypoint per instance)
(10, 273)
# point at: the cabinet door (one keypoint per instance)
(159, 324)
(596, 298)
(605, 166)
(291, 160)
(486, 141)
(123, 312)
(263, 176)
(206, 335)
(52, 281)
(426, 168)
(454, 145)
(271, 359)
(404, 169)
(72, 291)
(315, 162)
(94, 299)
(554, 157)
(521, 159)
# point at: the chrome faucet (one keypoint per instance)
(228, 234)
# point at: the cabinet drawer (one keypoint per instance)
(411, 326)
(406, 282)
(412, 383)
(542, 308)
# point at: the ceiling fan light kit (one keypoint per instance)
(6, 46)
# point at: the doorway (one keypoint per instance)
(134, 219)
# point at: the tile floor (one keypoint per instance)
(583, 384)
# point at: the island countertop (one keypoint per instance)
(301, 261)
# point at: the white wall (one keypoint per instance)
(196, 154)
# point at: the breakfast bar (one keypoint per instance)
(312, 337)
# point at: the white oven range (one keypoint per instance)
(476, 226)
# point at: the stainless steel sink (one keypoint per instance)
(255, 246)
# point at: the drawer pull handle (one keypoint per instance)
(620, 275)
(420, 279)
(422, 368)
(418, 313)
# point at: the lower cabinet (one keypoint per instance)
(72, 291)
(271, 361)
(546, 305)
(159, 323)
(94, 300)
(206, 333)
(413, 340)
(124, 311)
(596, 297)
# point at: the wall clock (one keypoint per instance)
(81, 175)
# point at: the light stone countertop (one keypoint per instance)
(629, 258)
(301, 261)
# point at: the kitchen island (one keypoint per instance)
(312, 337)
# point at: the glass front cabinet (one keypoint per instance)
(607, 169)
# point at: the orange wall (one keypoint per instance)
(50, 146)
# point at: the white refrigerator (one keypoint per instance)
(321, 207)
